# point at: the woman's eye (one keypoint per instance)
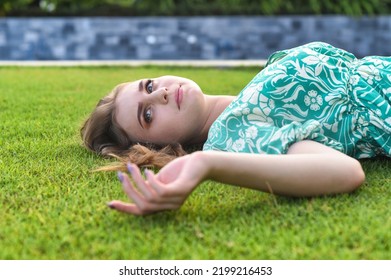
(148, 115)
(149, 86)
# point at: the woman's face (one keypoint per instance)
(163, 110)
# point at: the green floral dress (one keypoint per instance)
(316, 92)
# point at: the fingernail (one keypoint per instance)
(120, 176)
(129, 167)
(110, 205)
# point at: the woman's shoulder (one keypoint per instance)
(312, 48)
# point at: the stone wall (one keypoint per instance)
(185, 37)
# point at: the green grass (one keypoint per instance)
(53, 207)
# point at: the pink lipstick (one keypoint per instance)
(179, 97)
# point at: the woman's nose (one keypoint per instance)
(160, 95)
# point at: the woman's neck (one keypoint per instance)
(216, 104)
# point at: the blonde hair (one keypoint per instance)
(102, 134)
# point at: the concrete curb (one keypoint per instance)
(134, 63)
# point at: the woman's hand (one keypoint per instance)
(166, 190)
(309, 169)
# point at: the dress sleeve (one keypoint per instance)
(313, 47)
(265, 138)
(275, 57)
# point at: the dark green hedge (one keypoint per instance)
(191, 7)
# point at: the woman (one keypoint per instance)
(296, 129)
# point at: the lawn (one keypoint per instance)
(52, 206)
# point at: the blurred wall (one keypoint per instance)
(185, 38)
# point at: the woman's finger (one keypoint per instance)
(130, 190)
(131, 208)
(145, 189)
(167, 191)
(154, 183)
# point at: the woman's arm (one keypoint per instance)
(309, 169)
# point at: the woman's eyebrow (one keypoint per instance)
(140, 86)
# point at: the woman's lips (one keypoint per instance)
(179, 97)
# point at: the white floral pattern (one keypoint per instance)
(313, 100)
(238, 145)
(252, 132)
(316, 92)
(369, 73)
